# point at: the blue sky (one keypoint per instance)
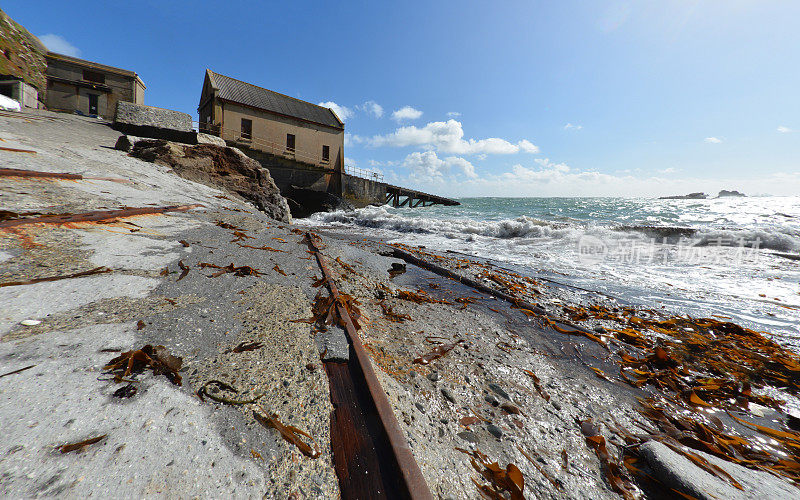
(503, 98)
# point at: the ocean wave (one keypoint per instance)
(780, 240)
(528, 229)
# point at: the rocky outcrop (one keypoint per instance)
(735, 194)
(157, 123)
(21, 54)
(210, 139)
(690, 196)
(304, 202)
(221, 167)
(126, 142)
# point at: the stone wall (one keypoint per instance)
(22, 54)
(157, 123)
(362, 192)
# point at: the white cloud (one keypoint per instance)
(570, 126)
(467, 167)
(57, 43)
(448, 137)
(712, 140)
(341, 111)
(527, 146)
(784, 130)
(406, 113)
(426, 166)
(453, 114)
(551, 165)
(372, 108)
(668, 170)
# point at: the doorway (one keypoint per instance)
(93, 104)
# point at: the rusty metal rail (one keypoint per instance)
(15, 150)
(18, 172)
(95, 216)
(394, 476)
(516, 302)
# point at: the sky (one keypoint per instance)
(500, 98)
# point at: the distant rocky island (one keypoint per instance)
(690, 196)
(702, 196)
(724, 193)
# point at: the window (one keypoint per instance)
(326, 153)
(290, 142)
(94, 76)
(247, 128)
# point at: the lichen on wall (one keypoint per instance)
(22, 54)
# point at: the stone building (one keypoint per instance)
(22, 63)
(258, 119)
(89, 88)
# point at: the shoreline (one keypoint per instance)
(518, 386)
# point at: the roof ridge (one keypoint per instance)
(269, 90)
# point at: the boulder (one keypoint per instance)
(126, 142)
(220, 167)
(679, 472)
(210, 139)
(157, 123)
(304, 202)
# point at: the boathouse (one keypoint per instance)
(89, 88)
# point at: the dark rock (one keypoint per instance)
(793, 422)
(420, 407)
(499, 391)
(448, 395)
(492, 400)
(126, 142)
(509, 408)
(468, 436)
(690, 196)
(304, 202)
(433, 376)
(736, 194)
(219, 167)
(125, 392)
(494, 431)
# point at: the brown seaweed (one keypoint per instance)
(80, 445)
(156, 358)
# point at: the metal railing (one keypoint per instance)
(363, 173)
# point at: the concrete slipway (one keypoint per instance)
(164, 441)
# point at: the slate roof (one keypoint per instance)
(248, 94)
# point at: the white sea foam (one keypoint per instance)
(694, 256)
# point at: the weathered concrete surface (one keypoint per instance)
(219, 166)
(158, 123)
(163, 441)
(362, 192)
(680, 473)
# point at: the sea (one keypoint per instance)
(736, 257)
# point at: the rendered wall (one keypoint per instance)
(362, 192)
(269, 134)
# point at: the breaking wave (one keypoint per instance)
(781, 239)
